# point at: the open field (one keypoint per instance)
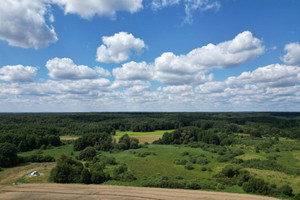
(68, 137)
(143, 139)
(19, 174)
(132, 134)
(72, 191)
(143, 136)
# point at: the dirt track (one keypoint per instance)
(105, 192)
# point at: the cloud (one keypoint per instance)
(103, 72)
(17, 73)
(260, 89)
(64, 68)
(89, 8)
(193, 67)
(22, 24)
(159, 4)
(274, 75)
(292, 57)
(118, 48)
(133, 71)
(191, 6)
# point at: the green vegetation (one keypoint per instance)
(132, 134)
(233, 152)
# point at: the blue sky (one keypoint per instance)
(149, 55)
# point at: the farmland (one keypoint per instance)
(224, 152)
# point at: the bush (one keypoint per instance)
(193, 186)
(121, 173)
(185, 153)
(180, 162)
(126, 142)
(220, 186)
(85, 176)
(256, 185)
(87, 154)
(66, 170)
(178, 177)
(188, 166)
(203, 169)
(39, 158)
(297, 196)
(98, 177)
(286, 190)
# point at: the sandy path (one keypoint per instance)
(104, 192)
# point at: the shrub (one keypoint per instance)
(203, 169)
(297, 196)
(185, 153)
(180, 162)
(189, 166)
(256, 185)
(85, 176)
(220, 186)
(66, 170)
(178, 177)
(121, 173)
(286, 190)
(193, 186)
(87, 154)
(39, 158)
(98, 177)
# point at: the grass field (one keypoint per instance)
(68, 137)
(143, 136)
(55, 152)
(131, 133)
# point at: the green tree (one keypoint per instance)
(8, 155)
(66, 170)
(85, 176)
(88, 153)
(286, 190)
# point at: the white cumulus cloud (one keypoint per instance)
(292, 57)
(118, 48)
(89, 8)
(64, 68)
(133, 71)
(18, 73)
(22, 23)
(193, 67)
(274, 75)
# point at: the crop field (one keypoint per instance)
(82, 192)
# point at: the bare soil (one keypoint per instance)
(105, 192)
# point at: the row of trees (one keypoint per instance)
(104, 142)
(26, 142)
(192, 134)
